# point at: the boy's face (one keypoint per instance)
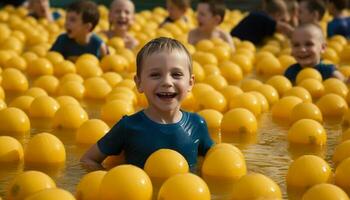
(175, 12)
(307, 46)
(165, 79)
(305, 16)
(121, 14)
(75, 26)
(40, 7)
(206, 20)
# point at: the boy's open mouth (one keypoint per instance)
(166, 95)
(122, 22)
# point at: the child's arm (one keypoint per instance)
(337, 74)
(192, 37)
(284, 28)
(93, 158)
(104, 50)
(228, 39)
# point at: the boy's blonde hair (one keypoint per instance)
(116, 1)
(161, 44)
(182, 4)
(312, 27)
(275, 6)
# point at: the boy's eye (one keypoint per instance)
(154, 75)
(177, 75)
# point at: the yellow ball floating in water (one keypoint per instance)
(28, 183)
(44, 148)
(70, 116)
(313, 86)
(164, 163)
(282, 109)
(245, 122)
(269, 92)
(198, 71)
(263, 101)
(65, 100)
(341, 152)
(308, 73)
(336, 86)
(231, 71)
(306, 111)
(47, 82)
(64, 67)
(10, 150)
(14, 80)
(72, 88)
(230, 91)
(248, 101)
(212, 100)
(88, 69)
(243, 62)
(96, 88)
(54, 57)
(51, 194)
(39, 67)
(280, 83)
(255, 186)
(22, 102)
(332, 105)
(212, 117)
(91, 131)
(125, 182)
(114, 110)
(184, 186)
(216, 80)
(114, 62)
(89, 186)
(43, 106)
(325, 191)
(201, 88)
(269, 66)
(300, 92)
(307, 171)
(307, 131)
(342, 176)
(35, 92)
(112, 78)
(14, 120)
(71, 77)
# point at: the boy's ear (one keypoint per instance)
(89, 26)
(192, 80)
(138, 83)
(323, 47)
(218, 19)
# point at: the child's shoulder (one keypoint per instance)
(193, 117)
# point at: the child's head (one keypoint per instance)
(81, 18)
(311, 11)
(293, 9)
(164, 73)
(177, 8)
(210, 13)
(277, 9)
(337, 5)
(308, 44)
(39, 7)
(121, 14)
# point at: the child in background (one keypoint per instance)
(293, 10)
(261, 24)
(121, 17)
(177, 10)
(308, 43)
(210, 14)
(41, 9)
(311, 11)
(164, 74)
(340, 25)
(81, 19)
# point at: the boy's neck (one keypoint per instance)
(207, 33)
(83, 39)
(120, 33)
(163, 117)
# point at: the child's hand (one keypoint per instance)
(284, 28)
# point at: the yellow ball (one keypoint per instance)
(223, 164)
(96, 88)
(222, 53)
(313, 86)
(43, 106)
(47, 82)
(22, 102)
(248, 85)
(280, 83)
(307, 171)
(16, 62)
(212, 100)
(125, 90)
(184, 186)
(198, 71)
(64, 100)
(201, 88)
(14, 120)
(51, 194)
(35, 92)
(114, 62)
(307, 131)
(88, 69)
(282, 109)
(330, 54)
(230, 91)
(125, 182)
(256, 186)
(342, 176)
(269, 92)
(2, 92)
(262, 100)
(10, 150)
(346, 135)
(245, 122)
(116, 42)
(336, 86)
(89, 186)
(205, 58)
(286, 61)
(217, 81)
(54, 57)
(113, 111)
(345, 54)
(112, 78)
(91, 131)
(70, 117)
(212, 117)
(308, 73)
(29, 56)
(247, 101)
(127, 83)
(300, 92)
(39, 67)
(244, 62)
(85, 58)
(14, 80)
(204, 45)
(332, 105)
(247, 45)
(211, 69)
(325, 191)
(269, 66)
(164, 163)
(341, 152)
(71, 77)
(2, 104)
(226, 146)
(306, 111)
(63, 67)
(45, 148)
(231, 71)
(72, 88)
(28, 183)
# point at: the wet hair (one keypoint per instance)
(161, 44)
(316, 6)
(129, 1)
(88, 11)
(275, 6)
(182, 4)
(216, 7)
(339, 4)
(312, 26)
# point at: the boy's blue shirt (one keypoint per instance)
(138, 136)
(339, 26)
(255, 27)
(70, 48)
(326, 71)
